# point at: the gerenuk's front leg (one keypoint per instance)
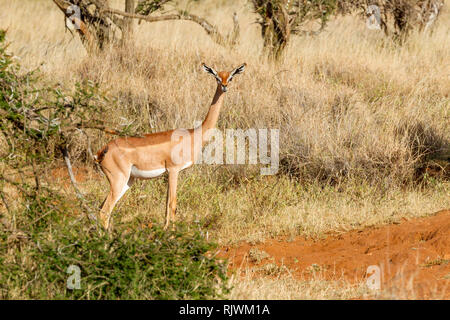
(171, 205)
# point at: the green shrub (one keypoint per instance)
(145, 263)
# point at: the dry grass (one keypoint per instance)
(358, 117)
(283, 286)
(348, 103)
(288, 288)
(263, 208)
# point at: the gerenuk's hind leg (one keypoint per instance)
(119, 184)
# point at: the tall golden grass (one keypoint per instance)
(359, 117)
(352, 107)
(348, 102)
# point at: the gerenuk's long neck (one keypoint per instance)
(213, 113)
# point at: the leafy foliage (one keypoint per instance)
(146, 7)
(36, 119)
(144, 263)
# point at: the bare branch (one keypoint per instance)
(210, 29)
(90, 126)
(97, 25)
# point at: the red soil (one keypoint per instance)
(413, 256)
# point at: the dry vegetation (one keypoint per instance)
(364, 123)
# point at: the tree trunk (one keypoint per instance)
(275, 29)
(94, 28)
(127, 33)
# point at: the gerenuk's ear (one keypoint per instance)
(238, 70)
(211, 71)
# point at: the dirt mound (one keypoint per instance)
(413, 256)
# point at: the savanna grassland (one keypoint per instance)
(364, 126)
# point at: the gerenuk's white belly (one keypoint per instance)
(148, 174)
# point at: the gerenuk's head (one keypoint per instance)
(223, 78)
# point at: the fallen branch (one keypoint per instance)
(78, 193)
(71, 175)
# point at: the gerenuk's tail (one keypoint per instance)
(101, 154)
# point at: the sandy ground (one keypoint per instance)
(413, 256)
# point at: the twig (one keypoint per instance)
(4, 201)
(15, 184)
